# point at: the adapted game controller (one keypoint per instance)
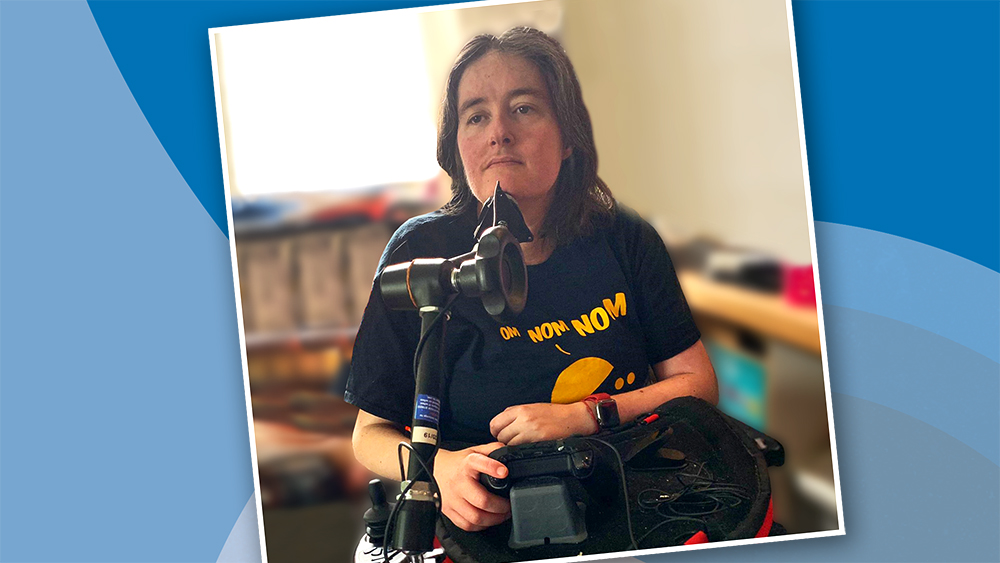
(571, 456)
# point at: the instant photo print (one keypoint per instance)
(336, 134)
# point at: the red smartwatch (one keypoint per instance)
(603, 409)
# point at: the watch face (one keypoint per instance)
(607, 413)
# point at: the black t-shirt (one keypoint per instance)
(600, 311)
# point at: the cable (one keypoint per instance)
(423, 337)
(423, 465)
(399, 457)
(395, 509)
(435, 489)
(699, 489)
(434, 483)
(621, 473)
(700, 496)
(399, 449)
(390, 521)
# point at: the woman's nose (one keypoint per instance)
(501, 133)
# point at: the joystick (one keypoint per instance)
(377, 517)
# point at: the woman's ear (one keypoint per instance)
(567, 152)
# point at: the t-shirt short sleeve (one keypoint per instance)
(381, 381)
(667, 324)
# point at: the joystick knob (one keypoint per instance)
(493, 484)
(377, 517)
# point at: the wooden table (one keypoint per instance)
(766, 313)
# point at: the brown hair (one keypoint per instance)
(580, 198)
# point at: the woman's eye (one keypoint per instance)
(475, 119)
(523, 110)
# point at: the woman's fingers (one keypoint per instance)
(460, 521)
(487, 449)
(464, 500)
(479, 498)
(538, 422)
(521, 438)
(526, 432)
(469, 517)
(475, 494)
(513, 435)
(480, 463)
(501, 421)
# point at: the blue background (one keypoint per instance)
(122, 411)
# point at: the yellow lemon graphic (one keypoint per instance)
(580, 379)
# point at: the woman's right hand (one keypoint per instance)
(463, 499)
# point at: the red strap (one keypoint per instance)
(437, 544)
(593, 416)
(700, 537)
(590, 408)
(765, 528)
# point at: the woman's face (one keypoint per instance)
(507, 130)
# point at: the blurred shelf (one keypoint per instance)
(767, 313)
(300, 338)
(297, 213)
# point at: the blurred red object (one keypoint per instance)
(798, 286)
(371, 207)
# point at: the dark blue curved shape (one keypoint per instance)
(162, 51)
(901, 102)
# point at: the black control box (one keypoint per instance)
(572, 457)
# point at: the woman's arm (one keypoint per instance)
(463, 499)
(375, 443)
(687, 373)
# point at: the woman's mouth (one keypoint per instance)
(501, 161)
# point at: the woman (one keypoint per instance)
(603, 305)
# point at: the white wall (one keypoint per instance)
(693, 107)
(692, 101)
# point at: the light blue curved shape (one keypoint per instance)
(122, 417)
(243, 544)
(910, 493)
(911, 370)
(911, 282)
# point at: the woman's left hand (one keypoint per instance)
(538, 422)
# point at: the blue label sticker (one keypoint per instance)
(428, 409)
